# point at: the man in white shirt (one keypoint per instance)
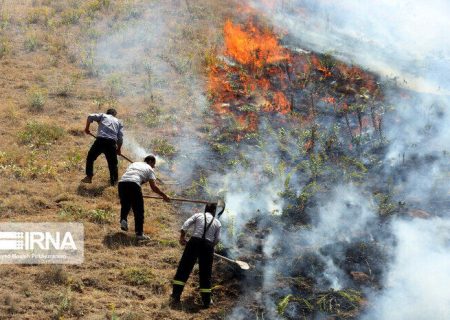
(200, 246)
(130, 193)
(109, 142)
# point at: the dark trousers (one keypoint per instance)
(202, 250)
(130, 195)
(109, 148)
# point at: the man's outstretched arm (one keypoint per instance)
(155, 189)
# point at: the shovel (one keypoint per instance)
(220, 203)
(178, 199)
(241, 264)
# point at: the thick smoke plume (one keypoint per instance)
(407, 42)
(416, 282)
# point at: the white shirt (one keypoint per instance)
(138, 172)
(198, 220)
(109, 127)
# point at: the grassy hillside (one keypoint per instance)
(50, 82)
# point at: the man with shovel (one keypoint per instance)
(130, 193)
(108, 141)
(200, 246)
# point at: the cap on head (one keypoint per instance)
(111, 111)
(150, 159)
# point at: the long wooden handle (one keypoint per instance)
(128, 159)
(224, 258)
(178, 199)
(243, 265)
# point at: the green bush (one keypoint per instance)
(162, 147)
(138, 276)
(4, 47)
(36, 98)
(40, 134)
(141, 276)
(100, 216)
(40, 15)
(71, 211)
(71, 16)
(93, 6)
(4, 20)
(115, 85)
(31, 43)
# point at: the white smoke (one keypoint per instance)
(417, 281)
(400, 39)
(251, 189)
(346, 215)
(137, 150)
(406, 41)
(146, 63)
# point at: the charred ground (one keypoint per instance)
(264, 108)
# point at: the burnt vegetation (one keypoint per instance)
(275, 114)
(322, 119)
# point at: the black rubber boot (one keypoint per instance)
(176, 292)
(206, 298)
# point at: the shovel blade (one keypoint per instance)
(243, 265)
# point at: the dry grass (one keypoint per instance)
(48, 87)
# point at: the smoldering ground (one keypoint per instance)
(405, 43)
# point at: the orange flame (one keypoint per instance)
(355, 74)
(319, 66)
(280, 104)
(253, 47)
(329, 100)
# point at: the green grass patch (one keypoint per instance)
(37, 98)
(305, 306)
(40, 15)
(339, 302)
(71, 16)
(71, 211)
(141, 276)
(137, 276)
(4, 47)
(345, 304)
(31, 43)
(74, 212)
(168, 243)
(162, 147)
(40, 134)
(100, 216)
